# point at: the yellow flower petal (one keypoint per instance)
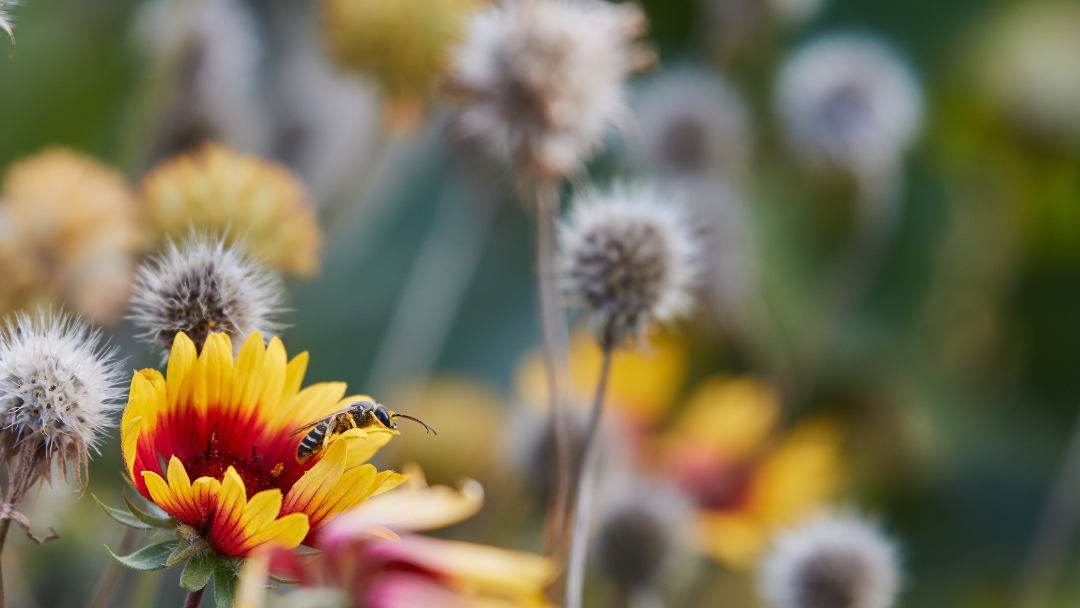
(414, 509)
(284, 533)
(217, 361)
(273, 373)
(294, 376)
(181, 360)
(310, 490)
(364, 443)
(247, 374)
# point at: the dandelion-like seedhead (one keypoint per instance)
(642, 531)
(694, 123)
(201, 287)
(831, 562)
(5, 19)
(544, 79)
(58, 387)
(851, 101)
(629, 256)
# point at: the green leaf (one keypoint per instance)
(184, 551)
(152, 557)
(197, 572)
(150, 520)
(224, 586)
(122, 516)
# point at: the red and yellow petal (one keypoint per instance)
(328, 488)
(191, 503)
(241, 526)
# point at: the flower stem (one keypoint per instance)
(4, 525)
(586, 486)
(194, 598)
(555, 336)
(1054, 533)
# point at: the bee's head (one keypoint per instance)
(385, 417)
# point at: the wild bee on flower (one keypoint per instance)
(357, 415)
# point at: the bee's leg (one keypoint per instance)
(331, 432)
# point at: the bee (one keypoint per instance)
(357, 415)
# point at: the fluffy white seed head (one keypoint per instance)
(850, 101)
(215, 50)
(629, 256)
(58, 387)
(642, 534)
(693, 123)
(544, 79)
(6, 23)
(831, 562)
(201, 287)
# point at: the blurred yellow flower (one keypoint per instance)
(403, 45)
(461, 409)
(236, 196)
(641, 387)
(747, 478)
(69, 231)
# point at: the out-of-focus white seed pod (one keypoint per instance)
(643, 533)
(201, 287)
(832, 562)
(693, 124)
(629, 256)
(212, 52)
(850, 101)
(6, 23)
(58, 388)
(544, 80)
(1026, 61)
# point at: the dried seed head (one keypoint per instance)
(831, 562)
(236, 195)
(6, 21)
(694, 124)
(214, 50)
(57, 390)
(544, 79)
(69, 233)
(642, 531)
(201, 287)
(850, 101)
(629, 256)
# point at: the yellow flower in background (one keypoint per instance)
(748, 478)
(462, 409)
(237, 196)
(642, 384)
(225, 430)
(69, 233)
(403, 45)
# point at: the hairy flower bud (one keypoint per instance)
(831, 562)
(200, 287)
(57, 390)
(629, 256)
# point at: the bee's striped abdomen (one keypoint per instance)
(312, 442)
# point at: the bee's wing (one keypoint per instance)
(315, 423)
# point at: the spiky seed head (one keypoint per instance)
(851, 101)
(6, 21)
(836, 561)
(629, 256)
(58, 387)
(642, 531)
(200, 287)
(695, 124)
(543, 80)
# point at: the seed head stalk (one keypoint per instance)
(586, 487)
(555, 339)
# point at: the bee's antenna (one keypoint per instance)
(426, 427)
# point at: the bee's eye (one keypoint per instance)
(383, 416)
